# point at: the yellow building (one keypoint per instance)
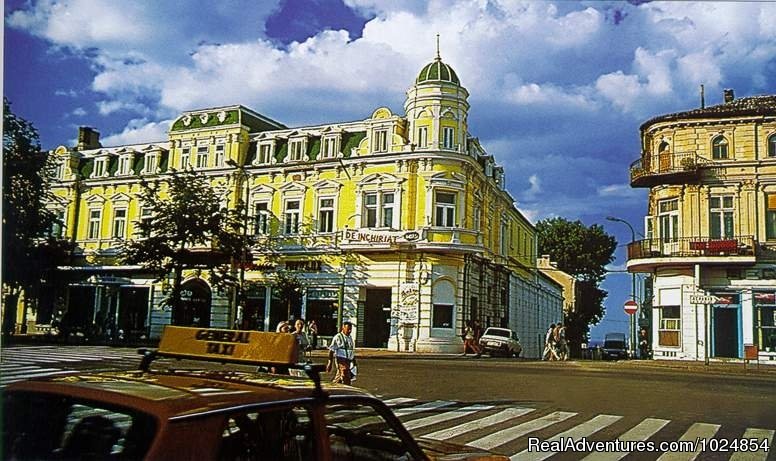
(398, 223)
(710, 229)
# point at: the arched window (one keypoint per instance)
(663, 147)
(719, 148)
(772, 145)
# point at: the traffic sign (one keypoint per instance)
(703, 299)
(631, 307)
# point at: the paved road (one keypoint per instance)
(502, 404)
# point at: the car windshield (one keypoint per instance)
(614, 344)
(495, 332)
(72, 429)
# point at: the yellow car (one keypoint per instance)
(168, 413)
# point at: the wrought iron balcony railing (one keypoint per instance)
(650, 169)
(692, 247)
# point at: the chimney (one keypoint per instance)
(88, 138)
(729, 95)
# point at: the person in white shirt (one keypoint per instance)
(342, 350)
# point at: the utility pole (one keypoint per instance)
(632, 320)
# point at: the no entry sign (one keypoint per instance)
(630, 307)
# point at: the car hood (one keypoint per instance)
(443, 451)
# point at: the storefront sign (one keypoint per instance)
(331, 294)
(389, 237)
(409, 297)
(305, 266)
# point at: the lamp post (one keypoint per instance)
(241, 179)
(632, 320)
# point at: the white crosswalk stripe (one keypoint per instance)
(575, 433)
(759, 435)
(481, 423)
(695, 432)
(447, 416)
(641, 432)
(507, 435)
(424, 407)
(398, 401)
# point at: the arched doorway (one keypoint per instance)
(194, 309)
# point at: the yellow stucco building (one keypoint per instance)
(400, 223)
(710, 229)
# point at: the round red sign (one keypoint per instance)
(631, 307)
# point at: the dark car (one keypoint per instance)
(615, 347)
(196, 413)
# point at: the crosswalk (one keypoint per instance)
(507, 429)
(20, 363)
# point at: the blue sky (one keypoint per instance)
(558, 89)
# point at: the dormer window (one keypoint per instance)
(151, 163)
(381, 141)
(296, 150)
(719, 148)
(263, 153)
(100, 168)
(330, 147)
(59, 170)
(125, 163)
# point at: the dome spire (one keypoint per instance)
(439, 58)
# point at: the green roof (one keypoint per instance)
(438, 71)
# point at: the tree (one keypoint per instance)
(29, 253)
(289, 288)
(188, 228)
(582, 252)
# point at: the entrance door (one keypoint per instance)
(725, 332)
(377, 317)
(133, 310)
(194, 310)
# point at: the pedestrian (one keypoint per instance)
(470, 341)
(561, 346)
(283, 327)
(548, 346)
(312, 330)
(302, 341)
(342, 349)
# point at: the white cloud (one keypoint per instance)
(619, 191)
(139, 131)
(78, 112)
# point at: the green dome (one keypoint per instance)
(437, 71)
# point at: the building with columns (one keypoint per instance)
(710, 229)
(400, 223)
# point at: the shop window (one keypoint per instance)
(765, 320)
(719, 148)
(721, 217)
(770, 216)
(444, 209)
(670, 326)
(772, 145)
(95, 222)
(292, 217)
(442, 316)
(119, 223)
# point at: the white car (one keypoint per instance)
(500, 341)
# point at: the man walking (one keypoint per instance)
(342, 350)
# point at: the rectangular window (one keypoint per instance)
(381, 141)
(99, 168)
(503, 238)
(263, 154)
(185, 158)
(442, 316)
(326, 215)
(296, 148)
(330, 147)
(292, 217)
(370, 210)
(448, 139)
(95, 222)
(669, 220)
(387, 210)
(119, 223)
(202, 157)
(220, 154)
(670, 326)
(151, 163)
(124, 163)
(59, 170)
(721, 217)
(477, 219)
(261, 218)
(765, 320)
(444, 209)
(770, 216)
(58, 226)
(145, 222)
(423, 136)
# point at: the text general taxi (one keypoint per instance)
(162, 413)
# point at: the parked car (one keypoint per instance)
(615, 347)
(500, 341)
(167, 411)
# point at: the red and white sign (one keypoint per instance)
(630, 307)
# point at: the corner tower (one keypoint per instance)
(437, 108)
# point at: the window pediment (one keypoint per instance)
(379, 179)
(95, 200)
(293, 188)
(327, 185)
(120, 197)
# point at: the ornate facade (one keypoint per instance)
(710, 229)
(399, 223)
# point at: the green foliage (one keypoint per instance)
(315, 149)
(350, 141)
(584, 253)
(289, 287)
(28, 252)
(139, 165)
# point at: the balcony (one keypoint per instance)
(646, 254)
(666, 168)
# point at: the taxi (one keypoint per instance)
(162, 412)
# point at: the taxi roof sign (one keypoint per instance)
(238, 346)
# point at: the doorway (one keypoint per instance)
(377, 317)
(725, 332)
(194, 308)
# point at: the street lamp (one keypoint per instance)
(632, 324)
(241, 179)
